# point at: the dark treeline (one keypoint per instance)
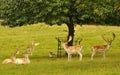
(21, 12)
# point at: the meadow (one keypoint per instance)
(42, 64)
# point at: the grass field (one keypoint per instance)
(42, 64)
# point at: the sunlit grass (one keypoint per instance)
(41, 64)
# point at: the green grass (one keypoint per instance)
(41, 64)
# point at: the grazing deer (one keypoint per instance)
(11, 59)
(31, 47)
(102, 48)
(72, 49)
(24, 60)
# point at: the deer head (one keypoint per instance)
(67, 40)
(109, 41)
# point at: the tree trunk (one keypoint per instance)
(71, 31)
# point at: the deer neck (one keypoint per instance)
(65, 46)
(13, 58)
(30, 47)
(108, 46)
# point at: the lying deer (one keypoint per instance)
(72, 49)
(11, 59)
(24, 60)
(51, 54)
(102, 48)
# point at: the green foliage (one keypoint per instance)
(19, 12)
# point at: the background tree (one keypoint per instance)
(69, 12)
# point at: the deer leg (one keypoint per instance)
(80, 54)
(69, 57)
(104, 55)
(93, 53)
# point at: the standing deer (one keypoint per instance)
(72, 49)
(102, 48)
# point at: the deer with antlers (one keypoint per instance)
(31, 47)
(102, 48)
(72, 49)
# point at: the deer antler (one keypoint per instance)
(104, 37)
(70, 38)
(113, 36)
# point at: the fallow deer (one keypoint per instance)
(51, 54)
(72, 49)
(102, 48)
(24, 60)
(11, 59)
(31, 48)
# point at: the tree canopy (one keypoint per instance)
(20, 12)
